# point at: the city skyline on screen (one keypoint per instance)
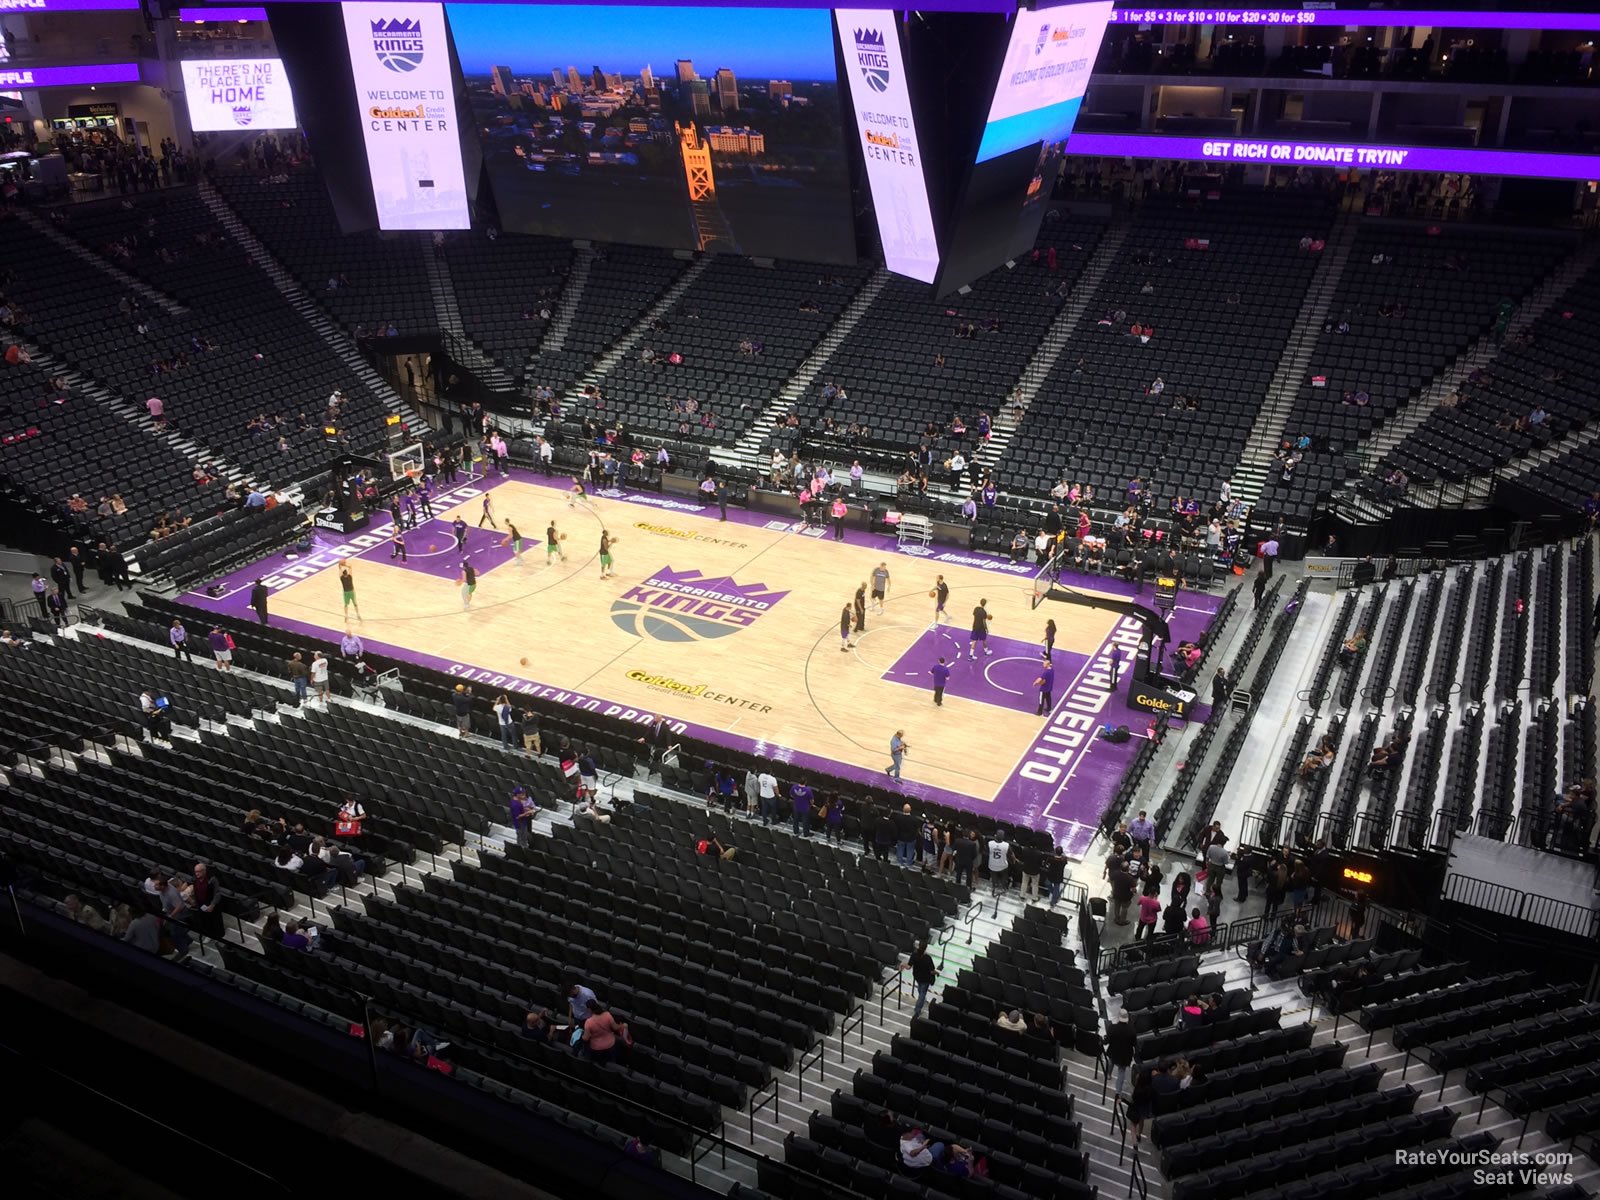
(792, 44)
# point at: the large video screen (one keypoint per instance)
(712, 129)
(223, 94)
(876, 71)
(405, 92)
(1049, 57)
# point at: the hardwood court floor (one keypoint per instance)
(780, 681)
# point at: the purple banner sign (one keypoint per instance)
(1531, 164)
(984, 6)
(1397, 18)
(46, 77)
(28, 6)
(198, 15)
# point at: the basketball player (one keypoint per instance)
(488, 512)
(347, 584)
(512, 539)
(577, 493)
(468, 582)
(980, 631)
(552, 544)
(425, 496)
(941, 597)
(459, 528)
(606, 542)
(1049, 639)
(844, 628)
(861, 609)
(397, 545)
(880, 585)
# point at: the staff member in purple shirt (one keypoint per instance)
(941, 676)
(1142, 831)
(800, 816)
(1046, 684)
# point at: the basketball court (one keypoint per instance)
(731, 630)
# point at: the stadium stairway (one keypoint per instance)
(312, 313)
(620, 348)
(1049, 350)
(750, 450)
(86, 387)
(126, 281)
(443, 291)
(1361, 507)
(555, 335)
(1256, 460)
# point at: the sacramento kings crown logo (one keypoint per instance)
(243, 114)
(873, 59)
(685, 606)
(1044, 38)
(398, 44)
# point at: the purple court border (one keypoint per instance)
(1061, 783)
(1529, 164)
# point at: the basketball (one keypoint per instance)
(932, 592)
(563, 537)
(522, 662)
(432, 546)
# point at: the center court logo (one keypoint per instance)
(873, 59)
(685, 606)
(398, 44)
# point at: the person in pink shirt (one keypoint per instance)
(601, 1032)
(1199, 928)
(1149, 912)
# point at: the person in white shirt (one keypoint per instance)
(1225, 492)
(319, 676)
(999, 864)
(767, 796)
(507, 717)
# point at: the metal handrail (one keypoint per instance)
(816, 1056)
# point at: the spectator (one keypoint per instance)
(906, 830)
(580, 1003)
(1149, 912)
(300, 676)
(917, 1153)
(999, 863)
(522, 810)
(1199, 928)
(712, 848)
(1120, 1040)
(206, 897)
(602, 1032)
(319, 677)
(1142, 831)
(1123, 885)
(1055, 873)
(923, 974)
(144, 932)
(964, 854)
(221, 644)
(85, 914)
(1031, 860)
(461, 701)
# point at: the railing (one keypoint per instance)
(894, 986)
(855, 1019)
(814, 1057)
(1136, 1179)
(1560, 915)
